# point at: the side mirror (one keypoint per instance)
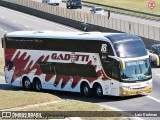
(154, 57)
(122, 64)
(157, 61)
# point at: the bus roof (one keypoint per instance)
(56, 34)
(113, 37)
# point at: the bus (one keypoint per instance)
(91, 63)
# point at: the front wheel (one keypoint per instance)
(86, 90)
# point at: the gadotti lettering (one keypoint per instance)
(73, 57)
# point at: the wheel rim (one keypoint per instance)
(27, 84)
(38, 86)
(85, 90)
(99, 91)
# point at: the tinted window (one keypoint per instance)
(68, 69)
(128, 49)
(111, 68)
(86, 70)
(9, 64)
(99, 9)
(89, 46)
(122, 37)
(47, 67)
(155, 49)
(65, 69)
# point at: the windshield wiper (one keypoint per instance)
(146, 77)
(129, 79)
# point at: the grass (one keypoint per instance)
(70, 105)
(18, 98)
(74, 105)
(139, 5)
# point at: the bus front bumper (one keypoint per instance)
(131, 92)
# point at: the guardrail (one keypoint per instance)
(85, 21)
(124, 11)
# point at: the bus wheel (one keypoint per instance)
(98, 91)
(86, 90)
(27, 84)
(37, 85)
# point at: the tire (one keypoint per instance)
(154, 63)
(27, 84)
(86, 90)
(57, 4)
(98, 91)
(37, 85)
(80, 7)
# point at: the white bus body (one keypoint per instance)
(77, 62)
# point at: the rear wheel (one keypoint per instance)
(37, 85)
(86, 90)
(98, 91)
(27, 84)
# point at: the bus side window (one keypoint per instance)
(115, 70)
(86, 70)
(9, 65)
(47, 67)
(110, 50)
(106, 50)
(67, 69)
(111, 68)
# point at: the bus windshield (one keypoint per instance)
(129, 49)
(136, 71)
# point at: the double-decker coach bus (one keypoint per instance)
(114, 64)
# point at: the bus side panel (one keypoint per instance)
(107, 87)
(8, 75)
(115, 85)
(30, 66)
